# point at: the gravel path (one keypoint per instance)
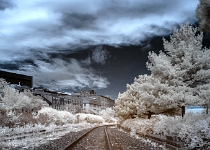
(123, 141)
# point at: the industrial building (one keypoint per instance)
(83, 100)
(93, 101)
(17, 79)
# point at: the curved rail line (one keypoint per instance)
(107, 139)
(112, 139)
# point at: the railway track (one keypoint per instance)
(108, 138)
(89, 141)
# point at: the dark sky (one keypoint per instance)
(73, 45)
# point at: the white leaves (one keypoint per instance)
(203, 15)
(57, 116)
(175, 76)
(187, 63)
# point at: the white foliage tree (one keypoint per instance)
(179, 77)
(186, 63)
(147, 95)
(203, 15)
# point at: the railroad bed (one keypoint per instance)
(110, 138)
(39, 139)
(107, 137)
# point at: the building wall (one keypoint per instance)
(106, 102)
(14, 78)
(58, 100)
(83, 100)
(93, 101)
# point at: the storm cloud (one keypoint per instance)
(43, 24)
(60, 74)
(31, 30)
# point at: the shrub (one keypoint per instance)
(89, 118)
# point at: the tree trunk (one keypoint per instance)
(183, 111)
(207, 109)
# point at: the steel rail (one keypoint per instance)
(78, 139)
(107, 139)
(70, 146)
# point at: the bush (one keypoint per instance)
(108, 115)
(193, 129)
(139, 125)
(89, 118)
(51, 115)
